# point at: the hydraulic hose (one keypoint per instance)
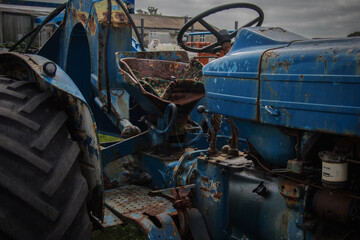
(192, 141)
(171, 124)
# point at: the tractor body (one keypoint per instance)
(272, 151)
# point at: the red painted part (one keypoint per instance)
(204, 57)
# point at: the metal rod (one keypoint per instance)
(142, 30)
(192, 30)
(106, 53)
(352, 161)
(1, 27)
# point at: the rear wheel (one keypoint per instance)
(42, 191)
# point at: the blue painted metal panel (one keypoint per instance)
(125, 147)
(135, 45)
(318, 79)
(212, 198)
(275, 147)
(232, 82)
(256, 216)
(232, 96)
(78, 47)
(161, 169)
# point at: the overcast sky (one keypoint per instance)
(309, 18)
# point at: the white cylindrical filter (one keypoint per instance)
(334, 169)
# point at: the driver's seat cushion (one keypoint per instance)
(190, 80)
(156, 83)
(166, 80)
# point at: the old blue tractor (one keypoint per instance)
(262, 143)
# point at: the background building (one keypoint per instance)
(18, 18)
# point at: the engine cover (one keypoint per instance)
(276, 77)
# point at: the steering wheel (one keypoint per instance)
(222, 35)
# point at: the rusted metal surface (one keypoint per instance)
(180, 78)
(336, 206)
(215, 121)
(110, 219)
(176, 194)
(233, 141)
(223, 159)
(290, 190)
(132, 203)
(292, 76)
(179, 196)
(209, 188)
(177, 56)
(294, 166)
(88, 20)
(129, 201)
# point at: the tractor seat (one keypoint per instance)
(156, 83)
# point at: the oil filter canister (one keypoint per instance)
(334, 169)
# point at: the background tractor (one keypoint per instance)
(290, 104)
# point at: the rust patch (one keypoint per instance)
(217, 196)
(73, 12)
(82, 18)
(285, 64)
(290, 190)
(301, 77)
(271, 54)
(92, 25)
(270, 57)
(272, 91)
(132, 203)
(204, 189)
(273, 68)
(118, 95)
(211, 189)
(120, 17)
(322, 59)
(204, 179)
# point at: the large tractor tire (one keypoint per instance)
(42, 191)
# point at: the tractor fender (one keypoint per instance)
(81, 121)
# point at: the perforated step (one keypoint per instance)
(133, 203)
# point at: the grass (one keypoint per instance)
(120, 232)
(107, 138)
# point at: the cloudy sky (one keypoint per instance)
(309, 18)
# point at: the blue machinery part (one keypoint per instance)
(278, 90)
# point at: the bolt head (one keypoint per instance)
(49, 69)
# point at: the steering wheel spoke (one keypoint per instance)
(209, 47)
(220, 36)
(210, 28)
